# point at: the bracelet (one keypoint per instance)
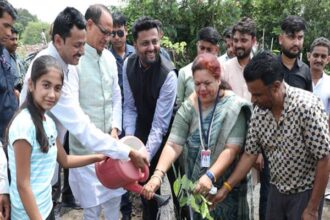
(211, 176)
(157, 177)
(228, 186)
(160, 171)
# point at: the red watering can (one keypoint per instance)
(114, 174)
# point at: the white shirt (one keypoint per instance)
(4, 185)
(68, 115)
(322, 90)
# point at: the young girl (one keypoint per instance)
(33, 146)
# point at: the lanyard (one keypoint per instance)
(202, 135)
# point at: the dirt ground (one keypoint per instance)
(167, 213)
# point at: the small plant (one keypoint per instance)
(183, 189)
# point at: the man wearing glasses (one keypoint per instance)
(97, 73)
(119, 48)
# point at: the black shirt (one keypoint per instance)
(299, 76)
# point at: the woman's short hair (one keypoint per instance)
(207, 61)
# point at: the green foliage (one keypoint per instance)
(183, 19)
(23, 18)
(183, 189)
(177, 50)
(32, 33)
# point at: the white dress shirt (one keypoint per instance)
(69, 116)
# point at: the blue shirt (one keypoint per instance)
(8, 100)
(120, 62)
(42, 165)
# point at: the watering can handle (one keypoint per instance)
(144, 174)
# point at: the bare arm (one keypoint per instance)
(23, 151)
(71, 161)
(243, 167)
(169, 154)
(222, 163)
(320, 183)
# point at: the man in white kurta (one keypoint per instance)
(100, 99)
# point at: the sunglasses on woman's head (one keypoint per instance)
(120, 33)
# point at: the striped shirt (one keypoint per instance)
(42, 165)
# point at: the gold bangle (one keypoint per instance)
(228, 186)
(157, 177)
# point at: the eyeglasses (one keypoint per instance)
(103, 31)
(120, 33)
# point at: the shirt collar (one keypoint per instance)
(92, 51)
(58, 57)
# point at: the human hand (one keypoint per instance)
(219, 197)
(151, 187)
(4, 207)
(259, 164)
(203, 185)
(309, 214)
(114, 133)
(100, 157)
(138, 159)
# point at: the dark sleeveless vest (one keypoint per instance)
(145, 86)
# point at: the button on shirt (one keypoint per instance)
(295, 143)
(299, 76)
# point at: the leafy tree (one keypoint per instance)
(23, 18)
(32, 33)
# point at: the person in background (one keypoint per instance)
(291, 40)
(227, 35)
(319, 57)
(17, 66)
(208, 40)
(119, 47)
(121, 50)
(8, 99)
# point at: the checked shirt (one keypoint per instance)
(295, 143)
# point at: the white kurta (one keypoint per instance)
(100, 99)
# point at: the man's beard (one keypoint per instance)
(244, 54)
(289, 54)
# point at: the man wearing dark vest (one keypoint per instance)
(149, 82)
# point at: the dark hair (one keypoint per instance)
(292, 24)
(66, 20)
(143, 24)
(14, 30)
(5, 6)
(94, 12)
(264, 66)
(320, 42)
(208, 34)
(207, 61)
(40, 67)
(118, 19)
(227, 33)
(245, 26)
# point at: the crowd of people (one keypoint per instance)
(215, 119)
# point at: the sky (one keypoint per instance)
(47, 10)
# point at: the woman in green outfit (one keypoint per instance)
(209, 130)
